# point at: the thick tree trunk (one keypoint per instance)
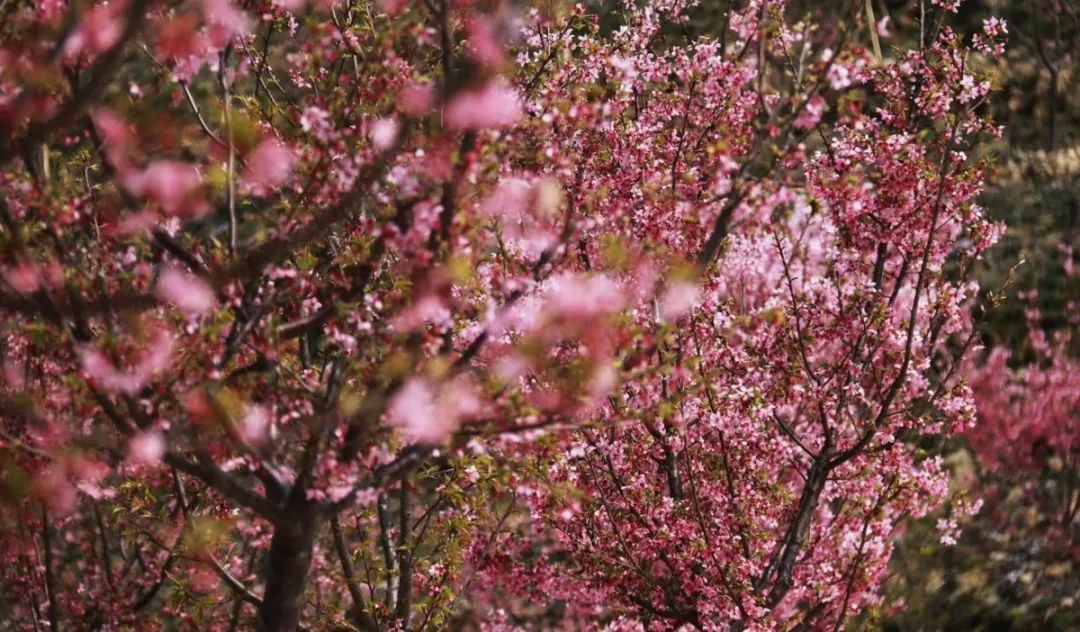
(800, 526)
(287, 573)
(783, 561)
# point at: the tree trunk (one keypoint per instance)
(783, 561)
(287, 573)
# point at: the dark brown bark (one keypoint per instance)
(783, 561)
(50, 575)
(405, 557)
(287, 573)
(359, 614)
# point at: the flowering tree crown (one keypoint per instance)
(403, 315)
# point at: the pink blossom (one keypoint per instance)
(98, 32)
(510, 199)
(384, 133)
(172, 185)
(995, 26)
(524, 212)
(416, 99)
(57, 491)
(179, 38)
(951, 6)
(134, 223)
(279, 273)
(392, 7)
(882, 27)
(1068, 265)
(583, 297)
(269, 166)
(485, 46)
(114, 131)
(185, 291)
(811, 114)
(428, 415)
(147, 448)
(255, 424)
(226, 21)
(89, 475)
(604, 380)
(510, 367)
(24, 278)
(117, 137)
(413, 410)
(492, 106)
(677, 301)
(459, 400)
(317, 121)
(97, 366)
(14, 375)
(428, 309)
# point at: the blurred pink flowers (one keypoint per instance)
(174, 186)
(146, 448)
(97, 366)
(428, 414)
(269, 166)
(188, 293)
(494, 106)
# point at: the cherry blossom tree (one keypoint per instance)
(1011, 562)
(1028, 435)
(478, 315)
(1027, 413)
